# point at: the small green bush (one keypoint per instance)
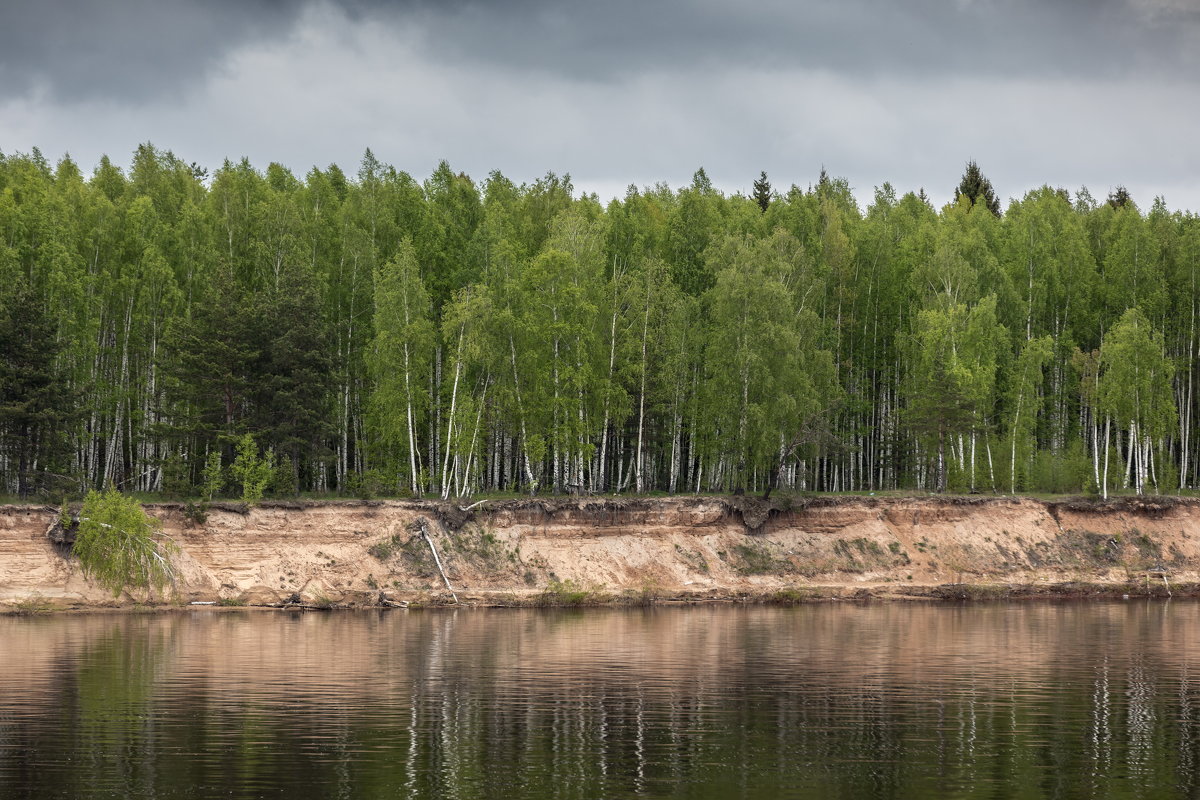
(385, 549)
(756, 560)
(252, 470)
(176, 480)
(566, 593)
(212, 478)
(790, 597)
(1067, 471)
(195, 513)
(32, 607)
(283, 479)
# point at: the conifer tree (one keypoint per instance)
(34, 403)
(1119, 197)
(978, 189)
(762, 191)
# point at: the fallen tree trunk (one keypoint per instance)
(423, 527)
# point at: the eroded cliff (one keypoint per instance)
(502, 551)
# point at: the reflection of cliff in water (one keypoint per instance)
(815, 701)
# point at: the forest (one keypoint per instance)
(169, 331)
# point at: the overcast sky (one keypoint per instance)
(1065, 92)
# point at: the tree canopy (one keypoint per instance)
(448, 336)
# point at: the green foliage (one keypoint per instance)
(757, 559)
(117, 544)
(567, 593)
(1025, 384)
(762, 192)
(212, 477)
(1064, 472)
(454, 336)
(34, 403)
(768, 379)
(176, 477)
(385, 549)
(399, 357)
(978, 189)
(254, 471)
(283, 479)
(953, 353)
(1135, 384)
(196, 513)
(366, 485)
(1135, 387)
(32, 607)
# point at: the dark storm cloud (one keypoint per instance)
(131, 50)
(139, 50)
(597, 40)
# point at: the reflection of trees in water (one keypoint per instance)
(605, 704)
(100, 714)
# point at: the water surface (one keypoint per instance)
(821, 701)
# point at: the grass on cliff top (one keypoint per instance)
(778, 496)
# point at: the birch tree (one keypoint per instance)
(400, 360)
(1135, 394)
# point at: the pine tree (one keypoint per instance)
(293, 383)
(210, 359)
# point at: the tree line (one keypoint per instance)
(376, 333)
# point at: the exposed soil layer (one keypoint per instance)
(580, 551)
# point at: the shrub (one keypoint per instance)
(755, 559)
(385, 549)
(791, 597)
(566, 593)
(196, 513)
(367, 485)
(252, 470)
(212, 478)
(32, 607)
(176, 480)
(1067, 471)
(283, 479)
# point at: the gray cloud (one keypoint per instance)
(597, 40)
(141, 49)
(1068, 93)
(133, 50)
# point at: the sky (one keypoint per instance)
(617, 92)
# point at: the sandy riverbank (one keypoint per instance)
(634, 550)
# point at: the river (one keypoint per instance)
(890, 700)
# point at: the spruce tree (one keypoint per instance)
(35, 403)
(978, 189)
(1119, 197)
(762, 191)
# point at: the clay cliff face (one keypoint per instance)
(353, 551)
